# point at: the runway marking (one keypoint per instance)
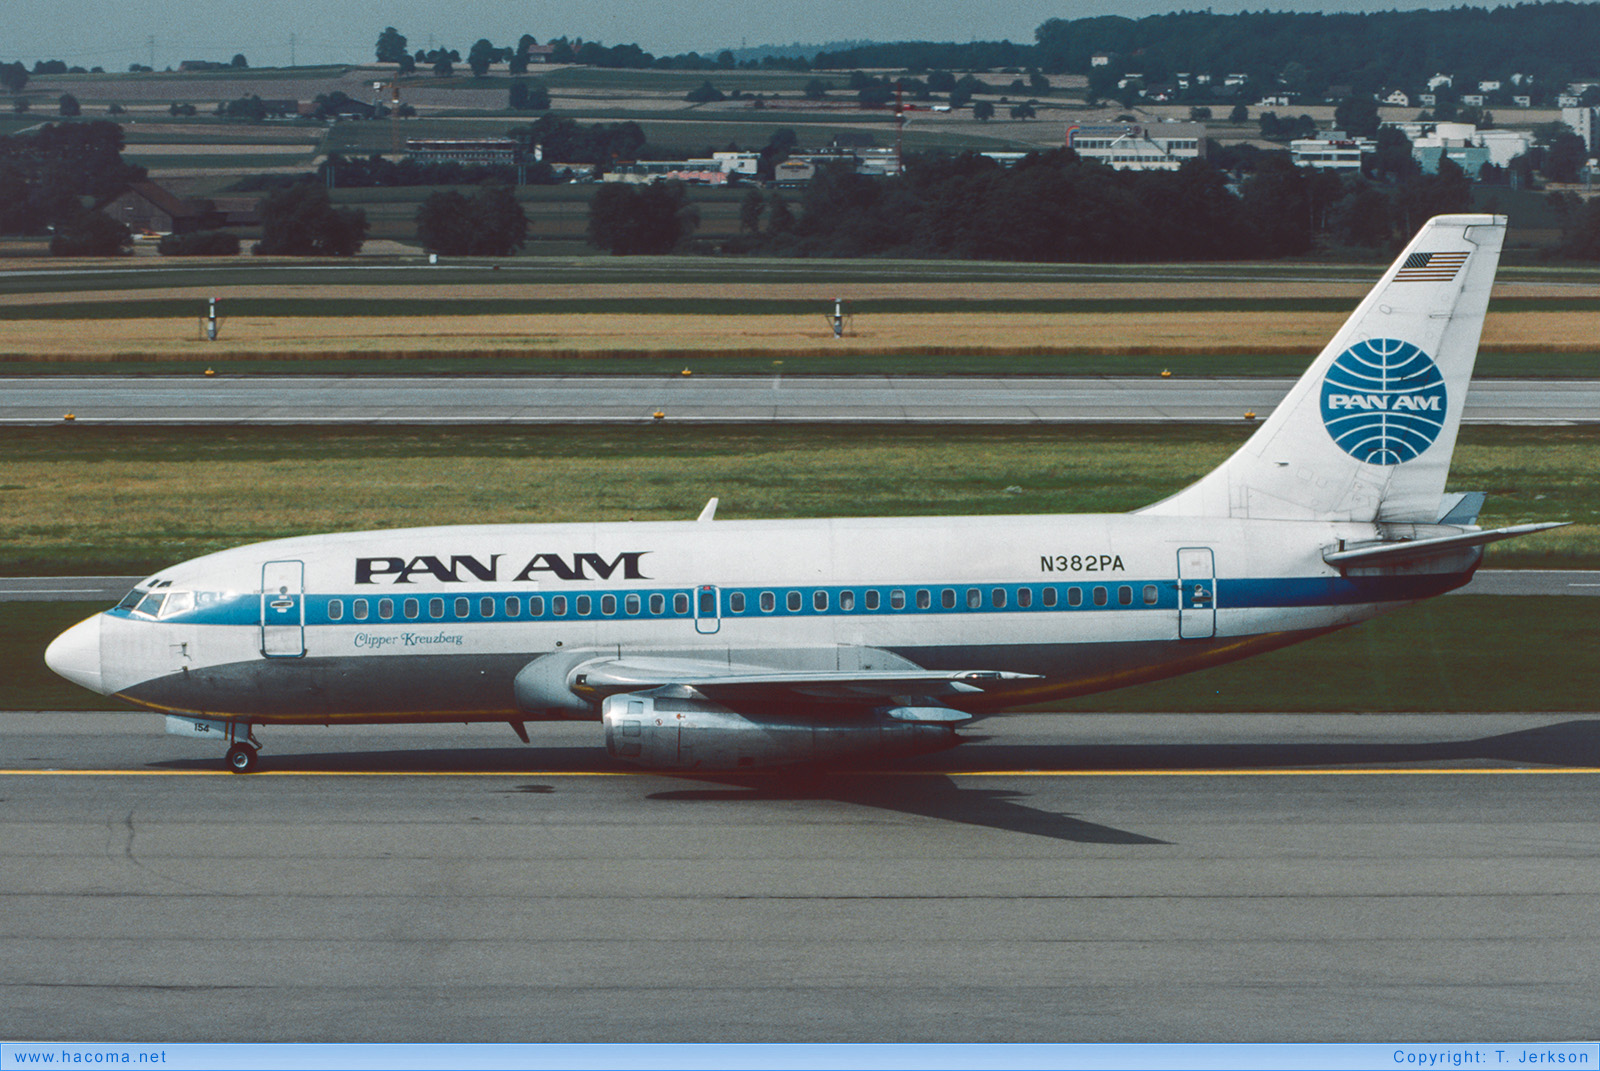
(1418, 771)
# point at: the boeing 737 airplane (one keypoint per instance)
(723, 645)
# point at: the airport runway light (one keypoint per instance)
(838, 317)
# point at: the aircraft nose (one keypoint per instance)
(75, 654)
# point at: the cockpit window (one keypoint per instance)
(131, 599)
(151, 604)
(178, 602)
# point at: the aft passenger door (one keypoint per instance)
(283, 609)
(1197, 598)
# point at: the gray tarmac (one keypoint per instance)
(112, 588)
(236, 400)
(1082, 878)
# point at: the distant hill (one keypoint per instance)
(1553, 42)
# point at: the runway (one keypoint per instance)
(231, 400)
(1086, 878)
(112, 588)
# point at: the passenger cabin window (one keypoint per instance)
(1125, 595)
(463, 606)
(872, 598)
(608, 604)
(1074, 596)
(819, 601)
(769, 602)
(680, 602)
(792, 600)
(658, 603)
(386, 608)
(584, 604)
(897, 599)
(1099, 596)
(631, 604)
(411, 608)
(1151, 596)
(359, 609)
(924, 599)
(486, 607)
(998, 597)
(1048, 596)
(514, 607)
(947, 598)
(436, 608)
(708, 602)
(736, 603)
(974, 599)
(1024, 598)
(847, 601)
(335, 609)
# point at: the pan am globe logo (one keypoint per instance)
(1384, 401)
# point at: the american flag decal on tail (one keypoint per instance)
(1430, 267)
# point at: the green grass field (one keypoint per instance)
(1457, 653)
(98, 500)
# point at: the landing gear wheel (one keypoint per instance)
(242, 758)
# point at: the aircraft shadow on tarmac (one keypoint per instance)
(924, 786)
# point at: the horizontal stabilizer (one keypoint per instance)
(608, 676)
(1405, 550)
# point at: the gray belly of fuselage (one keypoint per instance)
(478, 687)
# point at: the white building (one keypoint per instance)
(1334, 152)
(1583, 123)
(1135, 147)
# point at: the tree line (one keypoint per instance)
(1551, 43)
(1050, 206)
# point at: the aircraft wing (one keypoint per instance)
(609, 676)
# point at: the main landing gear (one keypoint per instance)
(242, 758)
(243, 748)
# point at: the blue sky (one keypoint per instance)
(115, 33)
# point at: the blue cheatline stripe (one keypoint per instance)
(737, 603)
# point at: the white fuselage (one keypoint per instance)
(435, 623)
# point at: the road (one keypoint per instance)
(112, 588)
(1086, 878)
(233, 400)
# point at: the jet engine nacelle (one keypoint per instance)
(666, 733)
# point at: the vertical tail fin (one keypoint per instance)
(1367, 433)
